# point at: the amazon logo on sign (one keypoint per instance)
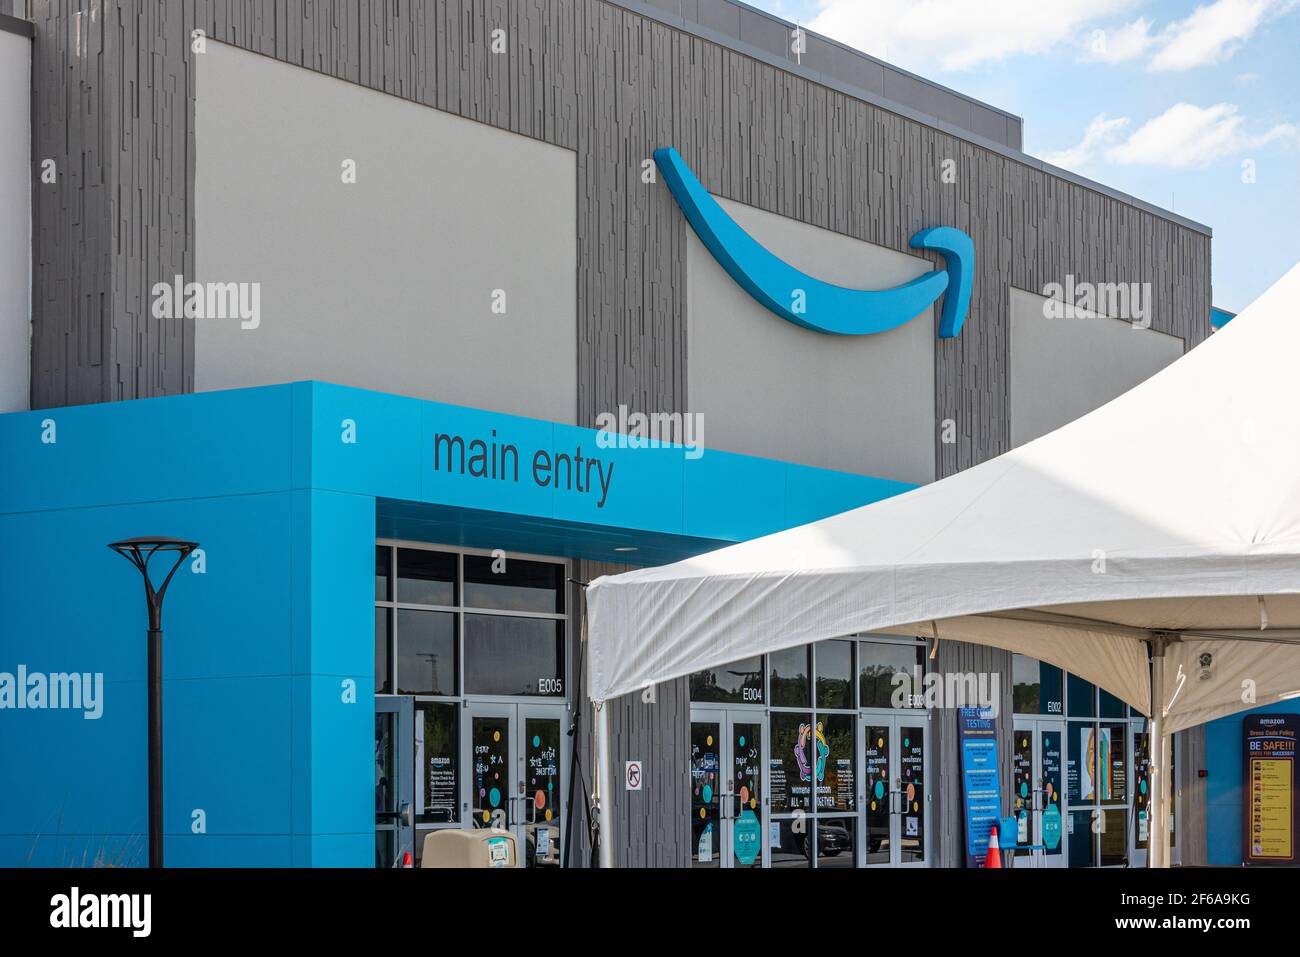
(810, 302)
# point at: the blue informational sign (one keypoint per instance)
(1008, 828)
(1052, 826)
(746, 836)
(980, 787)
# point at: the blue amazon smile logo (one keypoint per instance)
(809, 302)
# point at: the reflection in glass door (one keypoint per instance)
(706, 790)
(1050, 741)
(491, 769)
(745, 793)
(517, 753)
(1140, 829)
(726, 785)
(878, 774)
(895, 801)
(911, 796)
(542, 741)
(394, 781)
(1025, 781)
(1036, 792)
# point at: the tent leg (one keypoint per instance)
(1158, 830)
(1157, 809)
(604, 785)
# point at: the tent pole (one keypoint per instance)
(1157, 831)
(604, 785)
(1167, 797)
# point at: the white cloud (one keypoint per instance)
(1213, 33)
(1186, 136)
(923, 35)
(1181, 137)
(1122, 43)
(1100, 132)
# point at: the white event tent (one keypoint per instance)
(1151, 547)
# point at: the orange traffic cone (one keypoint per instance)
(994, 856)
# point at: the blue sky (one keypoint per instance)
(1194, 107)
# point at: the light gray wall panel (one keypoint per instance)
(767, 387)
(16, 225)
(1063, 367)
(386, 283)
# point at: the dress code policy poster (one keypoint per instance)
(1269, 817)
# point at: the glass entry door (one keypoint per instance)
(518, 753)
(1036, 799)
(727, 800)
(394, 781)
(895, 800)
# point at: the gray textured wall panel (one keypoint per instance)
(653, 825)
(955, 657)
(72, 260)
(1190, 804)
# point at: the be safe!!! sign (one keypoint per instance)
(1270, 818)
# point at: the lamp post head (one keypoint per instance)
(139, 551)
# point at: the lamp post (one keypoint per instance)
(139, 551)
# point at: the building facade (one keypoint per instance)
(371, 279)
